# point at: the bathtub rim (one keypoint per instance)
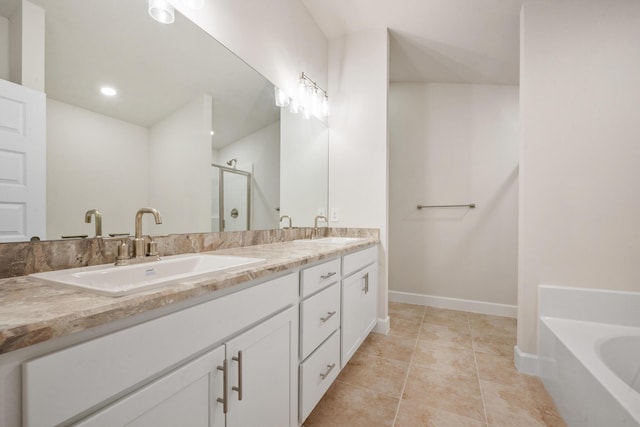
(584, 346)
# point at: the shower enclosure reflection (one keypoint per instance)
(231, 199)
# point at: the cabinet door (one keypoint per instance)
(263, 380)
(359, 299)
(187, 396)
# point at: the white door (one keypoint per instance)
(22, 163)
(187, 396)
(263, 371)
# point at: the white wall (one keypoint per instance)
(259, 153)
(304, 174)
(579, 174)
(358, 160)
(94, 162)
(180, 169)
(4, 48)
(278, 38)
(454, 144)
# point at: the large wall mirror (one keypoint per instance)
(192, 131)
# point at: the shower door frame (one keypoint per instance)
(221, 170)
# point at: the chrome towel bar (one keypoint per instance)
(470, 206)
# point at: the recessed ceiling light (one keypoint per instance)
(108, 91)
(212, 133)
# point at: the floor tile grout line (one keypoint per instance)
(475, 360)
(406, 377)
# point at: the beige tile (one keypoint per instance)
(494, 344)
(492, 325)
(406, 311)
(444, 358)
(453, 336)
(388, 346)
(347, 405)
(441, 316)
(500, 369)
(517, 406)
(413, 413)
(457, 394)
(405, 327)
(375, 373)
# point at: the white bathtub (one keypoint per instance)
(591, 368)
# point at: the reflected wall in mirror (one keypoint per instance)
(184, 103)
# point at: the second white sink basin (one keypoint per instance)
(114, 280)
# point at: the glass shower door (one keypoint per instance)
(233, 199)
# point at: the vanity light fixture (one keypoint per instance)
(282, 99)
(162, 11)
(310, 100)
(108, 91)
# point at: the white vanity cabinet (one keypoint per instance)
(171, 370)
(319, 332)
(337, 312)
(359, 299)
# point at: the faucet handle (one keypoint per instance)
(123, 252)
(152, 246)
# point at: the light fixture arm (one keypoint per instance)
(315, 85)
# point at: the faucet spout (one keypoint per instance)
(288, 218)
(142, 211)
(138, 241)
(98, 215)
(316, 231)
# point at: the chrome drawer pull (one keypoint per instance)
(239, 387)
(329, 369)
(326, 276)
(225, 385)
(329, 315)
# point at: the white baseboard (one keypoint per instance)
(383, 326)
(526, 363)
(471, 306)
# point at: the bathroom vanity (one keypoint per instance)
(256, 346)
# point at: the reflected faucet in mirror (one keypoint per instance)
(98, 215)
(288, 218)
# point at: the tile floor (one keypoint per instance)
(439, 368)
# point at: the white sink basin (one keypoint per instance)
(331, 240)
(114, 280)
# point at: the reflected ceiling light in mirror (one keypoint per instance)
(282, 99)
(162, 11)
(108, 91)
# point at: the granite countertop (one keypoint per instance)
(32, 311)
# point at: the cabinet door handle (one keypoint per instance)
(225, 385)
(326, 276)
(329, 315)
(239, 388)
(328, 371)
(366, 283)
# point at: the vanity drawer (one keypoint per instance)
(319, 317)
(315, 278)
(317, 373)
(356, 261)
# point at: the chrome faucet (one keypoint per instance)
(138, 241)
(288, 217)
(315, 232)
(96, 213)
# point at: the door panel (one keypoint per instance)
(22, 163)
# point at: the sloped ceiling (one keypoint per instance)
(447, 41)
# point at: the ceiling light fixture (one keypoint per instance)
(108, 91)
(162, 11)
(310, 100)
